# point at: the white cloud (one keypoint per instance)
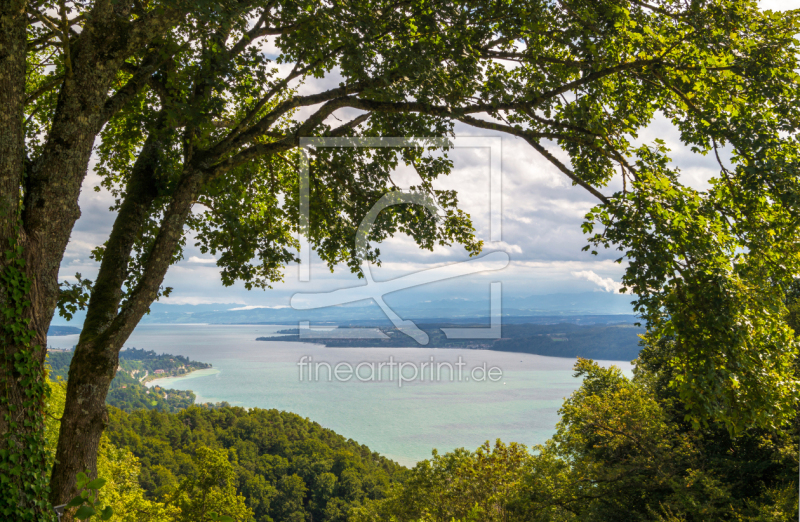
(195, 259)
(507, 247)
(606, 283)
(779, 5)
(198, 300)
(250, 307)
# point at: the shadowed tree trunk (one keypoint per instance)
(105, 330)
(48, 188)
(20, 424)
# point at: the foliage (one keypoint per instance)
(285, 467)
(134, 396)
(702, 263)
(122, 491)
(120, 469)
(88, 502)
(23, 454)
(622, 451)
(127, 389)
(211, 493)
(199, 133)
(462, 486)
(73, 296)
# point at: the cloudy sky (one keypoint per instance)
(541, 217)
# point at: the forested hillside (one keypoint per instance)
(287, 468)
(136, 366)
(57, 330)
(624, 449)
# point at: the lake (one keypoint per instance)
(401, 420)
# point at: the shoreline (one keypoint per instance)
(321, 343)
(149, 383)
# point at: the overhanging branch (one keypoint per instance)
(531, 138)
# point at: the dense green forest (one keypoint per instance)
(287, 468)
(137, 366)
(616, 342)
(250, 465)
(679, 120)
(623, 450)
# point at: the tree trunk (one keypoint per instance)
(13, 42)
(22, 464)
(40, 229)
(97, 354)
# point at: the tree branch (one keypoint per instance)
(238, 128)
(531, 138)
(282, 108)
(538, 60)
(155, 58)
(140, 194)
(43, 88)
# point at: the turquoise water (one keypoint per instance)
(401, 422)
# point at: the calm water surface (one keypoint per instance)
(403, 423)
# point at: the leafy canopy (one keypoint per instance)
(218, 120)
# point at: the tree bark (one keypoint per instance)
(54, 184)
(19, 421)
(13, 42)
(105, 331)
(50, 186)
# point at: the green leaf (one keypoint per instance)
(96, 483)
(84, 512)
(82, 479)
(77, 501)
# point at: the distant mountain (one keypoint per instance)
(552, 305)
(57, 330)
(616, 342)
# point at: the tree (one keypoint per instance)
(198, 133)
(462, 485)
(212, 493)
(121, 491)
(288, 503)
(286, 467)
(622, 450)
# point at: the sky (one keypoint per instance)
(541, 229)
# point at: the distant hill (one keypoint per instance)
(289, 468)
(613, 342)
(57, 330)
